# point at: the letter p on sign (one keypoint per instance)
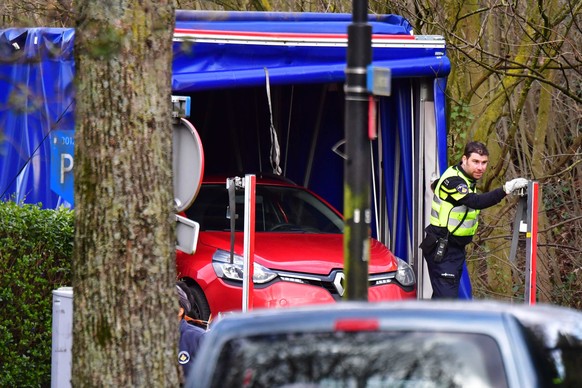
(62, 151)
(66, 166)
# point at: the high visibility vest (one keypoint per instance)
(443, 213)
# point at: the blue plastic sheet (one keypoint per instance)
(199, 65)
(37, 71)
(36, 98)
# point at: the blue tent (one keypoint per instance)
(244, 71)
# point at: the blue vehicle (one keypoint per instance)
(395, 344)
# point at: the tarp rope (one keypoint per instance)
(275, 153)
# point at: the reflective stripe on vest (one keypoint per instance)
(444, 213)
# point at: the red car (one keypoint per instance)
(298, 252)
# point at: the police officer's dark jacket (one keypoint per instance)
(190, 339)
(456, 206)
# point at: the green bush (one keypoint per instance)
(36, 250)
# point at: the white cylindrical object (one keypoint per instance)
(62, 337)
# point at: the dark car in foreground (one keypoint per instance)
(395, 344)
(298, 257)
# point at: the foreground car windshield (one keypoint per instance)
(362, 359)
(278, 209)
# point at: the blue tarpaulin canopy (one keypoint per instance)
(221, 49)
(36, 100)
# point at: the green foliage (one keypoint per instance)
(36, 247)
(460, 120)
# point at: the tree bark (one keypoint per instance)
(125, 324)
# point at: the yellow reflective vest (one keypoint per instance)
(444, 213)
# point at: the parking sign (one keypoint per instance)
(62, 162)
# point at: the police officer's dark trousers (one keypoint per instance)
(446, 274)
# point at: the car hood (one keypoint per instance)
(306, 253)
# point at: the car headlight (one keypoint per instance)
(234, 271)
(404, 274)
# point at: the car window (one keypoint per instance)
(295, 210)
(557, 364)
(361, 359)
(278, 209)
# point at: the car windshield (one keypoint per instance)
(361, 359)
(278, 209)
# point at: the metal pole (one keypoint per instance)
(531, 245)
(249, 242)
(357, 165)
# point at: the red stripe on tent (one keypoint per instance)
(283, 35)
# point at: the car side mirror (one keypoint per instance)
(186, 234)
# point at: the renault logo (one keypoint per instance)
(338, 283)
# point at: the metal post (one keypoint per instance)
(62, 337)
(249, 242)
(531, 243)
(357, 165)
(526, 221)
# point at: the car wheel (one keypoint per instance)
(200, 309)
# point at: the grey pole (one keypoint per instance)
(357, 165)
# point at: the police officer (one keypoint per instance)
(190, 335)
(453, 218)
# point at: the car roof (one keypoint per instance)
(548, 321)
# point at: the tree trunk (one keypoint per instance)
(125, 303)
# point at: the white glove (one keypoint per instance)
(515, 184)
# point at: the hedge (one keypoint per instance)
(36, 250)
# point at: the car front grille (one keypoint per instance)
(334, 283)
